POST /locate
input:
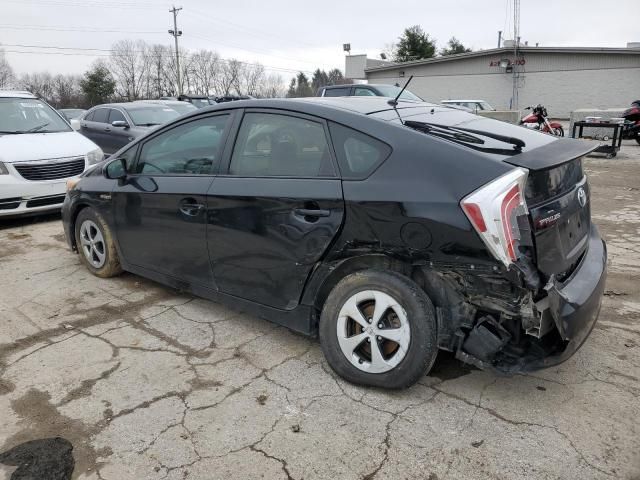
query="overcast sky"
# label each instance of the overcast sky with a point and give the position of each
(294, 35)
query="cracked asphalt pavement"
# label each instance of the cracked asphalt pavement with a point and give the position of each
(148, 383)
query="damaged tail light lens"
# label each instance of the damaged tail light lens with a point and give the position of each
(493, 210)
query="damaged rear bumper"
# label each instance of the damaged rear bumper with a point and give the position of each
(574, 305)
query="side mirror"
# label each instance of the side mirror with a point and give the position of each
(120, 123)
(116, 170)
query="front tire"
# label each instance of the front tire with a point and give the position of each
(95, 244)
(379, 329)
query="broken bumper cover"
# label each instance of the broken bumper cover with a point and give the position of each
(574, 306)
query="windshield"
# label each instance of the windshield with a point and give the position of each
(200, 102)
(29, 115)
(485, 106)
(182, 107)
(151, 115)
(391, 91)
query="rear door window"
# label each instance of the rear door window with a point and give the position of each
(89, 116)
(358, 154)
(275, 145)
(101, 115)
(188, 149)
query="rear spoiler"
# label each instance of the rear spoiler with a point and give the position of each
(555, 153)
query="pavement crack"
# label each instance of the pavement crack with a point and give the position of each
(285, 467)
(84, 390)
(498, 416)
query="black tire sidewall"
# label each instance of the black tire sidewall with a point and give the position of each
(111, 265)
(420, 315)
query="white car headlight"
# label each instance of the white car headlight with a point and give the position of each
(3, 169)
(95, 156)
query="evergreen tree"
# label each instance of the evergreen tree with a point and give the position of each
(303, 89)
(414, 44)
(454, 46)
(319, 80)
(291, 93)
(98, 85)
(335, 77)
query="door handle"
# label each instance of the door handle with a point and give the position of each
(107, 129)
(190, 208)
(312, 212)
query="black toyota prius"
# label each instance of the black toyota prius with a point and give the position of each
(389, 229)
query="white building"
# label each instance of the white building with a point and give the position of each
(562, 79)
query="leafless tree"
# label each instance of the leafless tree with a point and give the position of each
(40, 84)
(171, 70)
(6, 72)
(66, 91)
(252, 77)
(229, 79)
(204, 72)
(129, 64)
(272, 86)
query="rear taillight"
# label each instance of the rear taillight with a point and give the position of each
(493, 210)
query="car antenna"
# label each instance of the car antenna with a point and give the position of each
(394, 102)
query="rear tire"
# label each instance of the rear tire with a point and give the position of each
(559, 132)
(378, 328)
(95, 244)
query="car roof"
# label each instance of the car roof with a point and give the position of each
(16, 94)
(126, 105)
(476, 101)
(163, 102)
(359, 85)
(323, 105)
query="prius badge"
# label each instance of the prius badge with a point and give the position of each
(582, 197)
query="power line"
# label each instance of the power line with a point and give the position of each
(59, 53)
(251, 31)
(66, 3)
(74, 29)
(113, 53)
(56, 48)
(260, 52)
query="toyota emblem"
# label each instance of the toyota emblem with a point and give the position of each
(582, 197)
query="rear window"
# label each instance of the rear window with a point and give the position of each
(149, 115)
(358, 154)
(337, 92)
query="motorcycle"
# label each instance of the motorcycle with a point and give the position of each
(538, 120)
(631, 130)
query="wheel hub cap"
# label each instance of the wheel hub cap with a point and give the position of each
(373, 331)
(92, 244)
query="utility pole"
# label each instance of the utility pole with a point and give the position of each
(516, 48)
(176, 33)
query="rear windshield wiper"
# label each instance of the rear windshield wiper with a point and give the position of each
(464, 135)
(443, 131)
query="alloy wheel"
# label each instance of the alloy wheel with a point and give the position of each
(93, 245)
(373, 331)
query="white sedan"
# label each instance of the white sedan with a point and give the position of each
(39, 151)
